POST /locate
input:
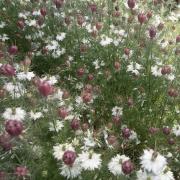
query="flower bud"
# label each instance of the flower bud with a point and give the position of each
(13, 50)
(21, 171)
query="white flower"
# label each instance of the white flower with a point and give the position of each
(4, 37)
(143, 175)
(170, 77)
(153, 161)
(59, 149)
(89, 141)
(156, 71)
(61, 37)
(134, 68)
(31, 22)
(57, 126)
(71, 171)
(166, 175)
(16, 90)
(35, 115)
(90, 161)
(105, 41)
(53, 45)
(115, 165)
(176, 129)
(117, 111)
(14, 114)
(25, 75)
(2, 24)
(58, 95)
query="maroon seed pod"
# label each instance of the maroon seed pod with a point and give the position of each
(75, 124)
(166, 70)
(178, 39)
(58, 3)
(80, 20)
(153, 130)
(99, 26)
(116, 120)
(21, 171)
(2, 175)
(14, 127)
(80, 72)
(67, 20)
(88, 88)
(127, 167)
(117, 65)
(126, 132)
(131, 4)
(130, 102)
(85, 126)
(166, 130)
(13, 50)
(172, 92)
(7, 70)
(87, 97)
(127, 51)
(171, 141)
(69, 157)
(149, 14)
(142, 18)
(93, 7)
(112, 140)
(65, 94)
(43, 11)
(5, 141)
(152, 32)
(160, 26)
(116, 13)
(63, 112)
(21, 24)
(45, 88)
(90, 77)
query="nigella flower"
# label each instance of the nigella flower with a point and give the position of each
(72, 171)
(176, 129)
(90, 160)
(25, 75)
(134, 68)
(153, 161)
(115, 165)
(105, 41)
(35, 115)
(15, 90)
(59, 149)
(156, 71)
(61, 36)
(57, 126)
(117, 111)
(14, 114)
(165, 175)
